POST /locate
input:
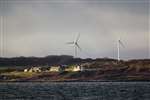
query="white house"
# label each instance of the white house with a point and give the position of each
(25, 70)
(56, 69)
(33, 69)
(77, 68)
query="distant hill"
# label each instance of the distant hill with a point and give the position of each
(40, 61)
(68, 60)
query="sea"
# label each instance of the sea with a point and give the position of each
(75, 91)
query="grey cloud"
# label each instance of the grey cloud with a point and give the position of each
(37, 28)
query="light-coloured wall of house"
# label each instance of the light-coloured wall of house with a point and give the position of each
(68, 69)
(25, 70)
(77, 68)
(54, 69)
(34, 69)
(30, 70)
(74, 68)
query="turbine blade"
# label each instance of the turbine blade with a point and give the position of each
(121, 43)
(70, 43)
(77, 38)
(79, 47)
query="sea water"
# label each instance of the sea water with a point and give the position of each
(75, 91)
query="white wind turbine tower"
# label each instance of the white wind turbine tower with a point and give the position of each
(119, 43)
(75, 44)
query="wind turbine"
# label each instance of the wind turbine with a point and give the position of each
(119, 43)
(76, 45)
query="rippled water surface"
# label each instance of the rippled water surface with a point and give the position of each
(75, 91)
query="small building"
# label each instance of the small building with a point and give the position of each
(56, 69)
(25, 70)
(74, 68)
(33, 69)
(77, 68)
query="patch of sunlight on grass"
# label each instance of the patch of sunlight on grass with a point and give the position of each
(21, 74)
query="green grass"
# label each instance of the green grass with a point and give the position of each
(20, 74)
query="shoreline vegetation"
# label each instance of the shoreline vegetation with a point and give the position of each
(94, 70)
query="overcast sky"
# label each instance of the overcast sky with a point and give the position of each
(42, 27)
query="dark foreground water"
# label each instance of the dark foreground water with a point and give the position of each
(75, 91)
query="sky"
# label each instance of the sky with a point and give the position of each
(43, 27)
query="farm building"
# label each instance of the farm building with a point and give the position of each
(33, 69)
(56, 69)
(74, 68)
